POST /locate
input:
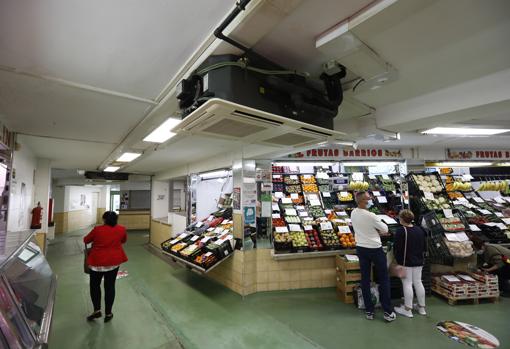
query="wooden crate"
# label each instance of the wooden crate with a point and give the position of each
(452, 300)
(343, 265)
(346, 286)
(345, 297)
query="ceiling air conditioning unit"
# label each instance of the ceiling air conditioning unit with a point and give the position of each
(223, 119)
(255, 82)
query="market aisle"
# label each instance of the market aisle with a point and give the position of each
(162, 306)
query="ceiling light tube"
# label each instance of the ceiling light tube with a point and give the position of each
(462, 131)
(214, 174)
(371, 163)
(164, 131)
(111, 169)
(128, 157)
(461, 164)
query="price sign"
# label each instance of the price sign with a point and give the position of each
(279, 195)
(341, 213)
(344, 229)
(327, 211)
(326, 194)
(501, 226)
(307, 176)
(474, 227)
(428, 195)
(204, 240)
(303, 214)
(300, 208)
(478, 199)
(499, 214)
(371, 176)
(467, 177)
(308, 227)
(294, 196)
(506, 220)
(357, 176)
(322, 175)
(315, 202)
(294, 227)
(471, 213)
(499, 200)
(376, 193)
(277, 176)
(326, 226)
(382, 199)
(208, 254)
(199, 224)
(276, 207)
(348, 220)
(174, 241)
(210, 218)
(344, 194)
(293, 177)
(385, 176)
(486, 212)
(387, 219)
(448, 213)
(281, 229)
(182, 236)
(290, 212)
(194, 238)
(286, 201)
(276, 215)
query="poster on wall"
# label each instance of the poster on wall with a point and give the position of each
(236, 198)
(249, 215)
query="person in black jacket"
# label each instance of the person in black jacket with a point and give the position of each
(409, 250)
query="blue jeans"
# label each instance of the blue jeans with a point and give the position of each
(377, 257)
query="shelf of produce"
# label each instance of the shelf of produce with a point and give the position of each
(192, 266)
(306, 255)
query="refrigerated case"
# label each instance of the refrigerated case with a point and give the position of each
(27, 293)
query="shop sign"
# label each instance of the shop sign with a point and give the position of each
(471, 154)
(338, 153)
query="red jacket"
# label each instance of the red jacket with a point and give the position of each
(106, 246)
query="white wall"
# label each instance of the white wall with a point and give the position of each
(159, 199)
(22, 190)
(208, 194)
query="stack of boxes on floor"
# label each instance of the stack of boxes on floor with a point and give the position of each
(474, 286)
(348, 276)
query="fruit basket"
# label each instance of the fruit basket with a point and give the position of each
(328, 236)
(347, 240)
(312, 237)
(387, 184)
(316, 212)
(297, 199)
(427, 182)
(277, 178)
(458, 249)
(345, 196)
(278, 169)
(205, 260)
(308, 179)
(292, 179)
(328, 200)
(299, 241)
(278, 222)
(293, 189)
(278, 187)
(310, 188)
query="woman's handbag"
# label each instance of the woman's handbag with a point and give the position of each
(86, 268)
(398, 270)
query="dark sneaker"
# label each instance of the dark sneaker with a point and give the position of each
(389, 317)
(369, 316)
(94, 315)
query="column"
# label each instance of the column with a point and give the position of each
(42, 183)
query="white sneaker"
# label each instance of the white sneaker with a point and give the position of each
(420, 310)
(389, 317)
(403, 311)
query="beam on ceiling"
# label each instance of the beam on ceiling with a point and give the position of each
(489, 95)
(77, 85)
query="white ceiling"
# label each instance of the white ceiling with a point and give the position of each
(133, 49)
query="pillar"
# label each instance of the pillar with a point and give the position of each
(42, 184)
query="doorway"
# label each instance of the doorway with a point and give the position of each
(115, 201)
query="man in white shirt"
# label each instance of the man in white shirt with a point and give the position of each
(367, 230)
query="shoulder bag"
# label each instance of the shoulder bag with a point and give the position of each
(398, 270)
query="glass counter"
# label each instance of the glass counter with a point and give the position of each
(27, 293)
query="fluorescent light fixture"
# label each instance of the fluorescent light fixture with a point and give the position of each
(461, 164)
(503, 164)
(128, 157)
(462, 131)
(163, 132)
(304, 163)
(111, 169)
(215, 174)
(371, 163)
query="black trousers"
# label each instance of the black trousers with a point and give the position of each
(109, 288)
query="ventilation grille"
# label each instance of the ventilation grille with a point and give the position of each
(232, 128)
(290, 139)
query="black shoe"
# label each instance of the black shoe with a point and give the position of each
(108, 318)
(94, 315)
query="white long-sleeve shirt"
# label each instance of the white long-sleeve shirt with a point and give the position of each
(366, 225)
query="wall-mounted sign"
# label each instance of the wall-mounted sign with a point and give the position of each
(338, 153)
(472, 154)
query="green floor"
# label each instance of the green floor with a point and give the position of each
(163, 306)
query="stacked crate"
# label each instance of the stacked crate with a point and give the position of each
(348, 276)
(488, 286)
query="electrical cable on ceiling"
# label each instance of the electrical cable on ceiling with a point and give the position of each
(359, 82)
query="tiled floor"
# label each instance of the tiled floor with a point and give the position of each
(163, 306)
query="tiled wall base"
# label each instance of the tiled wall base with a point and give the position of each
(256, 271)
(159, 232)
(72, 220)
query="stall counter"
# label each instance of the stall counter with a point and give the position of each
(135, 219)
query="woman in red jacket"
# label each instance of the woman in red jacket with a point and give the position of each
(104, 259)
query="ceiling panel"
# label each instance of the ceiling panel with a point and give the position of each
(39, 107)
(67, 154)
(130, 46)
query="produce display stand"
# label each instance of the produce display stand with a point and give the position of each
(192, 266)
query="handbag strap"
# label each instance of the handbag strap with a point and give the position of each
(405, 248)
